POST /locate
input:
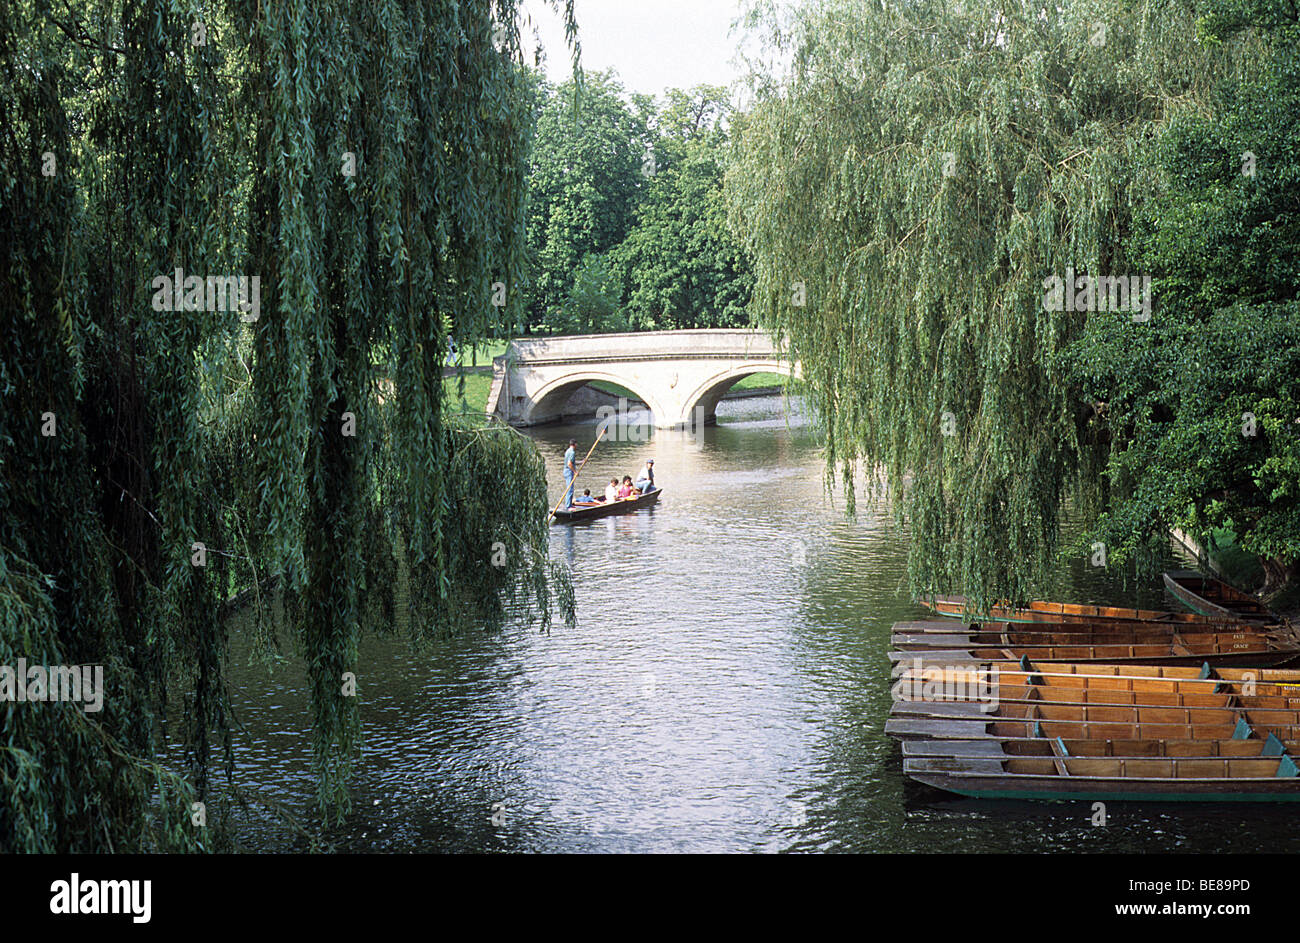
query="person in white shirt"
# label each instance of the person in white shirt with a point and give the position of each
(645, 478)
(611, 490)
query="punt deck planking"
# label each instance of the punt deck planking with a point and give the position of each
(1103, 732)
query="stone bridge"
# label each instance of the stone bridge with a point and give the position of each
(679, 375)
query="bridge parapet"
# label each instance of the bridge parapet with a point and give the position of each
(644, 345)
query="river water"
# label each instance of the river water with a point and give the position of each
(725, 690)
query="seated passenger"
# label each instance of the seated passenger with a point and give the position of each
(611, 490)
(586, 497)
(626, 490)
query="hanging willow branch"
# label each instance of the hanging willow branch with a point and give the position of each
(366, 163)
(904, 192)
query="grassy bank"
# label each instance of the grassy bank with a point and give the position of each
(475, 394)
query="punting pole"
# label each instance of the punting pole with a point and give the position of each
(604, 426)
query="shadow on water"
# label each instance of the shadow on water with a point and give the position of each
(726, 688)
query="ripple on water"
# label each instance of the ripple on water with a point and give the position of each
(725, 690)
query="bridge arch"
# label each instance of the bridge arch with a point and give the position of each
(704, 398)
(549, 400)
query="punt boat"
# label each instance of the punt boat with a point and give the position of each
(1214, 598)
(956, 606)
(1112, 629)
(587, 512)
(1073, 731)
(1219, 644)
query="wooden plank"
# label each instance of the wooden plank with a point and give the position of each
(926, 728)
(963, 748)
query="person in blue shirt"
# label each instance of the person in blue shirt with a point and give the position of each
(645, 478)
(570, 470)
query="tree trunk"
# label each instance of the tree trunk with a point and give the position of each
(1279, 574)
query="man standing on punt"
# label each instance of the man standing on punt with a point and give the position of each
(570, 469)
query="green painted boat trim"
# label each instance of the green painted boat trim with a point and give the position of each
(1124, 796)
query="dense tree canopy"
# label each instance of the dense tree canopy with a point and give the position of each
(681, 265)
(626, 223)
(585, 183)
(906, 192)
(1201, 410)
(366, 163)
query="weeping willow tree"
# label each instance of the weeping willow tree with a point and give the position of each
(905, 189)
(366, 165)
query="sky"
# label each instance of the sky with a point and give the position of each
(652, 44)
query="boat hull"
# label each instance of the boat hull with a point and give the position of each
(1214, 598)
(1118, 643)
(1056, 732)
(1249, 659)
(956, 607)
(1096, 788)
(578, 514)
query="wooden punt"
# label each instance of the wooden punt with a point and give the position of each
(1123, 643)
(1105, 732)
(1120, 779)
(579, 513)
(1214, 598)
(1042, 611)
(1100, 628)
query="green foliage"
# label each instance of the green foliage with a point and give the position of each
(84, 578)
(682, 265)
(585, 183)
(176, 427)
(626, 223)
(592, 306)
(1200, 410)
(918, 173)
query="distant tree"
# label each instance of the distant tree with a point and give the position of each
(593, 303)
(682, 267)
(585, 182)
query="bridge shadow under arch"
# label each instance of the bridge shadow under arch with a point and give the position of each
(549, 402)
(702, 402)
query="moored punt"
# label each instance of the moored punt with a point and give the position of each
(1041, 611)
(1243, 779)
(579, 513)
(1101, 732)
(1214, 598)
(1120, 643)
(1098, 628)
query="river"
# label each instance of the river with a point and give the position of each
(725, 689)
